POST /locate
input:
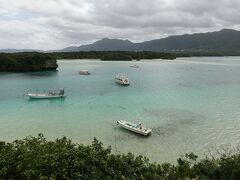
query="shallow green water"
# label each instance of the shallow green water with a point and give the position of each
(192, 105)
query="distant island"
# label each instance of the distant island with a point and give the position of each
(221, 43)
(26, 62)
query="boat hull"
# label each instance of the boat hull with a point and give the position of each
(133, 127)
(84, 73)
(122, 79)
(135, 66)
(122, 83)
(43, 96)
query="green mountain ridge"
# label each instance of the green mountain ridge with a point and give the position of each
(226, 40)
(223, 42)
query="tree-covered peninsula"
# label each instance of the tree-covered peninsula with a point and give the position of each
(38, 158)
(25, 62)
(113, 55)
(35, 61)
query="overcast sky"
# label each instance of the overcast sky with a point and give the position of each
(55, 24)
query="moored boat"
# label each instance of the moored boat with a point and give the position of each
(137, 128)
(134, 66)
(84, 72)
(122, 79)
(47, 95)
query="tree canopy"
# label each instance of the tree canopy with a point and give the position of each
(115, 55)
(38, 158)
(28, 61)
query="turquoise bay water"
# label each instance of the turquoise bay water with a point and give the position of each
(192, 105)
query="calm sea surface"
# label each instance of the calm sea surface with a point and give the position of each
(191, 104)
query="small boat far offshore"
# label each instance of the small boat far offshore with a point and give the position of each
(137, 128)
(47, 95)
(134, 66)
(84, 72)
(122, 79)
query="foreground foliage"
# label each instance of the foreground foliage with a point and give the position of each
(37, 158)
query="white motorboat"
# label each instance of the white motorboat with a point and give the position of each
(122, 79)
(47, 95)
(134, 66)
(84, 72)
(137, 128)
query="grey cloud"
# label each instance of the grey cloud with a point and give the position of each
(52, 24)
